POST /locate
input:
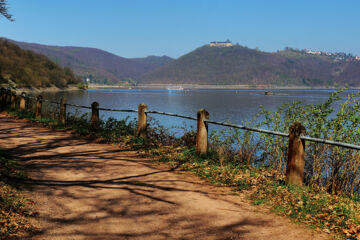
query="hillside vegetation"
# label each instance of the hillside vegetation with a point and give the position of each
(241, 65)
(102, 66)
(209, 65)
(24, 68)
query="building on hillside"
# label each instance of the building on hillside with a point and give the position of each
(86, 80)
(227, 43)
(313, 52)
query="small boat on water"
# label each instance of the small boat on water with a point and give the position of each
(175, 88)
(269, 93)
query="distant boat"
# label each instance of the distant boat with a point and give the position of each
(175, 88)
(268, 93)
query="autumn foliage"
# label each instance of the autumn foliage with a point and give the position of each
(15, 208)
(24, 68)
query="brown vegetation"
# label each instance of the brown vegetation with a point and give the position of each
(24, 68)
(85, 190)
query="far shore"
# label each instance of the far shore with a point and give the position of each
(38, 90)
(198, 86)
(165, 86)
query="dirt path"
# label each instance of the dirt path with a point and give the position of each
(85, 190)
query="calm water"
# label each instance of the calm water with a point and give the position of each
(223, 105)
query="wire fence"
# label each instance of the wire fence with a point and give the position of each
(281, 134)
(322, 173)
(172, 115)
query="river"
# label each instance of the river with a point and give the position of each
(233, 105)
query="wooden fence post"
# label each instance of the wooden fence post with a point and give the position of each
(202, 132)
(95, 120)
(62, 113)
(13, 100)
(296, 155)
(38, 106)
(22, 101)
(18, 101)
(8, 98)
(2, 97)
(142, 124)
(28, 105)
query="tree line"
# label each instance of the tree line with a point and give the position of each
(24, 68)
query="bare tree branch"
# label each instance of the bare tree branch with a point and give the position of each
(4, 10)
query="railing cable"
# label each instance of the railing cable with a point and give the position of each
(75, 105)
(117, 110)
(281, 134)
(306, 138)
(330, 142)
(248, 128)
(171, 114)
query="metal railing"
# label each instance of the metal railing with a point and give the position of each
(296, 148)
(276, 133)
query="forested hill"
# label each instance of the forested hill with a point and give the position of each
(104, 67)
(24, 68)
(241, 65)
(209, 65)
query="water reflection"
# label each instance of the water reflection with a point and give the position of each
(232, 105)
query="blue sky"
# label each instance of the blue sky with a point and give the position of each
(138, 28)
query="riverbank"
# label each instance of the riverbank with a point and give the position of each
(264, 187)
(248, 169)
(86, 190)
(39, 90)
(206, 86)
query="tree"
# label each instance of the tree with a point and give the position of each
(4, 10)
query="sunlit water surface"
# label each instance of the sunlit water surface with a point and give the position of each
(228, 105)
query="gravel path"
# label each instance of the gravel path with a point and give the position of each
(85, 190)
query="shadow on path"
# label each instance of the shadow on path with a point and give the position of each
(86, 190)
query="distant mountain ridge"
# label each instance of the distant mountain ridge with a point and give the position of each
(243, 66)
(103, 66)
(211, 65)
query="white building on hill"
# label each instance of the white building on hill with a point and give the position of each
(221, 44)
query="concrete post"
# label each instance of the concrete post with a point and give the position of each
(38, 106)
(95, 120)
(202, 132)
(142, 124)
(296, 155)
(22, 101)
(62, 113)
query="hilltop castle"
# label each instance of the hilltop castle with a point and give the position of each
(227, 43)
